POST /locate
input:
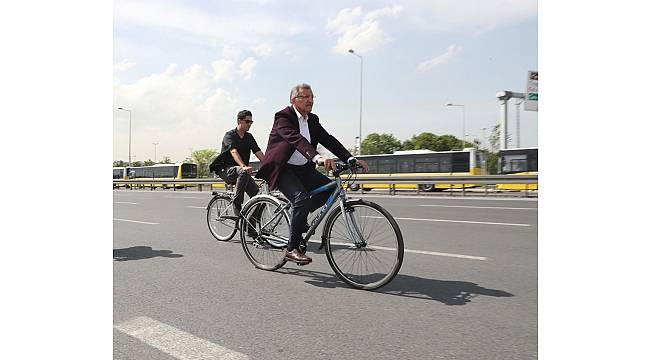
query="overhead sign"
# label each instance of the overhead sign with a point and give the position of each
(530, 102)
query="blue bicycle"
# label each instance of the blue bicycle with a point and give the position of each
(362, 241)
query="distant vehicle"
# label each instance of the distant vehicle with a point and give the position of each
(402, 164)
(119, 173)
(157, 173)
(520, 161)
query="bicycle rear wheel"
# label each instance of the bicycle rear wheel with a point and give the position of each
(265, 232)
(364, 266)
(222, 222)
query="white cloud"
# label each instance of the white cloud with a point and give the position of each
(178, 109)
(246, 67)
(245, 28)
(223, 69)
(262, 50)
(445, 58)
(469, 16)
(124, 65)
(362, 34)
(230, 51)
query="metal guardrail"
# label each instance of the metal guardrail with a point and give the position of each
(369, 179)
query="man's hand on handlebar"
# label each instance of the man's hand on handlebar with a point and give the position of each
(248, 169)
(363, 165)
(327, 163)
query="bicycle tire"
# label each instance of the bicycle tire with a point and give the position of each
(221, 219)
(385, 245)
(264, 247)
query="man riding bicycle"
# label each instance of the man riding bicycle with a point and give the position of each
(232, 164)
(290, 162)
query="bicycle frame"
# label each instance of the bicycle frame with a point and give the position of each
(339, 192)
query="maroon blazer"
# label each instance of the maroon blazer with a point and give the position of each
(285, 138)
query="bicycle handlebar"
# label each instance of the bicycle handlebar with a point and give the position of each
(340, 167)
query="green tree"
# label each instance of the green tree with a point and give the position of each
(425, 140)
(495, 138)
(429, 141)
(149, 163)
(166, 160)
(491, 160)
(380, 144)
(119, 163)
(136, 163)
(202, 159)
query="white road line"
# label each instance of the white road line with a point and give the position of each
(453, 198)
(184, 197)
(176, 342)
(124, 202)
(139, 222)
(435, 253)
(481, 207)
(454, 221)
(197, 207)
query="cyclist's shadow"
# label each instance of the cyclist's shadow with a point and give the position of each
(444, 291)
(141, 252)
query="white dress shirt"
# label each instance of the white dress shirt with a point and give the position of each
(297, 158)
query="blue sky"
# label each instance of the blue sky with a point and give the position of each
(185, 68)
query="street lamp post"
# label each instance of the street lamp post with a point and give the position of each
(123, 109)
(517, 104)
(360, 96)
(463, 106)
(154, 151)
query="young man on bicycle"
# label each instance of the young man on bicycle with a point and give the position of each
(232, 163)
(290, 162)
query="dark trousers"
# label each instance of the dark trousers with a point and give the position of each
(295, 182)
(243, 183)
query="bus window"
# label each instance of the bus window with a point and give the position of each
(514, 163)
(386, 166)
(427, 164)
(460, 162)
(188, 171)
(445, 162)
(405, 165)
(372, 166)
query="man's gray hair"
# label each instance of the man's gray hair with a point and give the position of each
(294, 90)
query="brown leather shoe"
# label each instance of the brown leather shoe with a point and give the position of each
(295, 256)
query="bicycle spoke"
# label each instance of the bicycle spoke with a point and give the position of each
(370, 264)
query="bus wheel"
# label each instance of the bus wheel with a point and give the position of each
(427, 187)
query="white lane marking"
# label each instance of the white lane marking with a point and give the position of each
(435, 253)
(124, 202)
(135, 221)
(175, 342)
(443, 197)
(184, 197)
(453, 221)
(481, 207)
(197, 207)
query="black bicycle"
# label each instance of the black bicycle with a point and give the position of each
(362, 241)
(222, 221)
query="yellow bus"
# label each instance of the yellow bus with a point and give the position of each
(157, 174)
(402, 164)
(518, 161)
(119, 173)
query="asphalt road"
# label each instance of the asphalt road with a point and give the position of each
(467, 288)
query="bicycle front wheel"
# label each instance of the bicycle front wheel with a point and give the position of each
(222, 222)
(373, 262)
(265, 232)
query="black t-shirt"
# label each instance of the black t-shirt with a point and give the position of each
(231, 140)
